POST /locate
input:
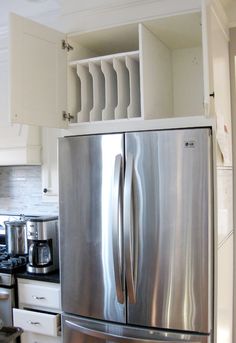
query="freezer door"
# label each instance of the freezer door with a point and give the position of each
(77, 330)
(167, 215)
(90, 184)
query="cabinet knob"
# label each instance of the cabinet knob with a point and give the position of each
(45, 190)
(212, 94)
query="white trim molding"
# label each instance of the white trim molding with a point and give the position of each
(124, 13)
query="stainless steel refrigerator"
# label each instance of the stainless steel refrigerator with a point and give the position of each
(136, 237)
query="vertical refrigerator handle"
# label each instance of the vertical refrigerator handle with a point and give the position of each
(129, 237)
(117, 231)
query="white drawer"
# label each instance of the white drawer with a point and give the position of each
(40, 296)
(37, 322)
(28, 337)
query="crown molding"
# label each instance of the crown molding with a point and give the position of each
(109, 7)
(124, 13)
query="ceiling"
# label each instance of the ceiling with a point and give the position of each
(49, 12)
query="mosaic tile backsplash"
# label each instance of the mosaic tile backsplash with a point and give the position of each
(21, 192)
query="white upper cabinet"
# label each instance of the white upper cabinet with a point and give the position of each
(154, 69)
(37, 74)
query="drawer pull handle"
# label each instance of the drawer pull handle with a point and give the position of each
(38, 298)
(33, 323)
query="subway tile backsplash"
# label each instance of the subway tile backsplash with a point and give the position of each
(21, 192)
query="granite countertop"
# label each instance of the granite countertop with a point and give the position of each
(51, 277)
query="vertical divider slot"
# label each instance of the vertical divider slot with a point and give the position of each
(123, 93)
(98, 82)
(132, 64)
(86, 93)
(109, 73)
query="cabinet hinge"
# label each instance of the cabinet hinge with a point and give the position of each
(66, 46)
(67, 116)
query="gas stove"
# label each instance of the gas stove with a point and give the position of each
(11, 264)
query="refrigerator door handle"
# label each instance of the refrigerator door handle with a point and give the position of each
(116, 230)
(117, 336)
(129, 238)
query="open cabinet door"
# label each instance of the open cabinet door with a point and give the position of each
(37, 74)
(207, 59)
(217, 79)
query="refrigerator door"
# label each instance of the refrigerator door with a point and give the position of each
(167, 229)
(77, 330)
(90, 183)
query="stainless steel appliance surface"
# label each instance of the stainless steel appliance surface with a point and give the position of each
(16, 237)
(136, 236)
(8, 267)
(42, 236)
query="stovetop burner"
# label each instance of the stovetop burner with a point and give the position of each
(11, 264)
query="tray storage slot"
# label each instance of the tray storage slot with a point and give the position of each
(37, 322)
(98, 82)
(86, 92)
(132, 64)
(109, 87)
(110, 90)
(123, 93)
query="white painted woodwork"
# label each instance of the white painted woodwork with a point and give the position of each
(188, 94)
(225, 203)
(225, 292)
(38, 295)
(221, 81)
(29, 337)
(233, 103)
(155, 76)
(73, 82)
(4, 88)
(108, 112)
(110, 14)
(20, 145)
(137, 124)
(102, 42)
(50, 164)
(169, 78)
(37, 74)
(98, 83)
(123, 94)
(86, 92)
(208, 102)
(179, 31)
(134, 109)
(42, 323)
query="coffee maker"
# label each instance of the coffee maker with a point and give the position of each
(42, 238)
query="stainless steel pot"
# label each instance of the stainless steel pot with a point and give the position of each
(16, 237)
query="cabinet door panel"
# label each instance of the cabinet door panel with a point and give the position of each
(38, 74)
(4, 110)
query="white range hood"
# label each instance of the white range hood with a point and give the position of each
(20, 145)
